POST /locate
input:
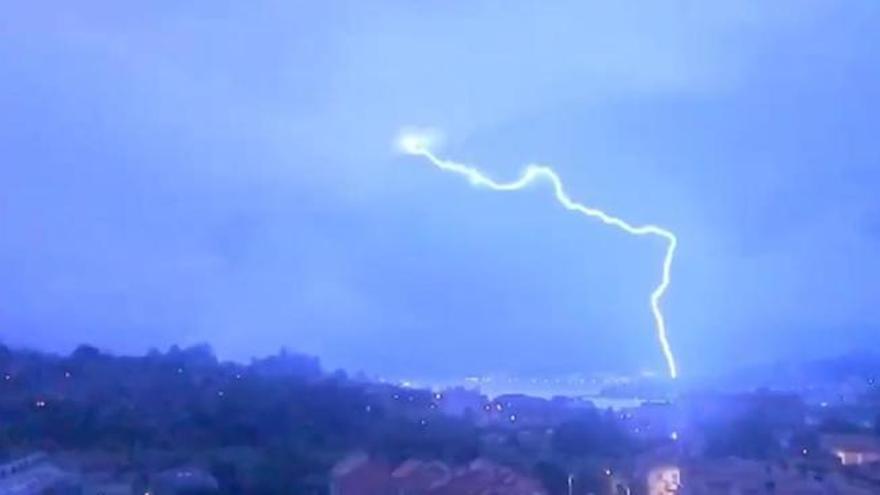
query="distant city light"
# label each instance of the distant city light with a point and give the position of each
(674, 435)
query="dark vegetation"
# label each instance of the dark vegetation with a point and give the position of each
(277, 425)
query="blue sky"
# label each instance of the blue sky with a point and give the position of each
(224, 172)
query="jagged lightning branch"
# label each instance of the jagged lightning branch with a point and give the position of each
(419, 145)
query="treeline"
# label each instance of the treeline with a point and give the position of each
(276, 425)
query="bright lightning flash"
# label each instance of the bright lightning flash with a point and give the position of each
(415, 144)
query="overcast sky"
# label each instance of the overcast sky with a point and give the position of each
(224, 171)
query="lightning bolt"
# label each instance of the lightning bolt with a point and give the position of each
(420, 146)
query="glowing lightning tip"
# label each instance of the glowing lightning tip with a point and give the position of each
(411, 144)
(417, 142)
